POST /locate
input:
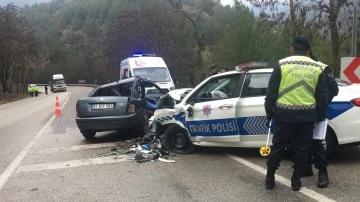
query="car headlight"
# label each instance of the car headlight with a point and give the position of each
(172, 88)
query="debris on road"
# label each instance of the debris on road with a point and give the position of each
(148, 148)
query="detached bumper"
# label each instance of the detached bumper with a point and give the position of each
(109, 123)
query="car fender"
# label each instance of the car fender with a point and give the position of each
(165, 117)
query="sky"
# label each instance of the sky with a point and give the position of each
(21, 2)
(227, 2)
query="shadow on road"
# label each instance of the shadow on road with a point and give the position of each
(114, 136)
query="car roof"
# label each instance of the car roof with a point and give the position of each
(124, 81)
(264, 70)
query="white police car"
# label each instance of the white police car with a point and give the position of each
(227, 110)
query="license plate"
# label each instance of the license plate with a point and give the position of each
(102, 106)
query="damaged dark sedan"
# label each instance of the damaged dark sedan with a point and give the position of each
(118, 106)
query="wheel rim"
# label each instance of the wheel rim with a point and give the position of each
(324, 144)
(179, 141)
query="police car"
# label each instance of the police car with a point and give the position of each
(227, 110)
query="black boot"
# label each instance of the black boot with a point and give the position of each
(308, 172)
(270, 178)
(295, 180)
(323, 180)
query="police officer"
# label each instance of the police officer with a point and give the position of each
(317, 150)
(214, 71)
(46, 89)
(224, 69)
(30, 91)
(296, 99)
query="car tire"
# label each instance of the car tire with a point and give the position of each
(88, 134)
(330, 144)
(176, 140)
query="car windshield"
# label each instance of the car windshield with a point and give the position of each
(59, 81)
(155, 74)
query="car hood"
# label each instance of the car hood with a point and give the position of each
(176, 94)
(355, 87)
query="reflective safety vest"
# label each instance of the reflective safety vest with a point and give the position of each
(299, 77)
(322, 65)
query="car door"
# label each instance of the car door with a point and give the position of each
(211, 114)
(250, 111)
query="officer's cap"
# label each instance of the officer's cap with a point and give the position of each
(302, 41)
(213, 67)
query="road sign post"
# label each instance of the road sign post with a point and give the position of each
(350, 70)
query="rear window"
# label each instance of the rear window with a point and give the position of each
(118, 90)
(342, 82)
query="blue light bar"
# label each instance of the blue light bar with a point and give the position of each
(144, 55)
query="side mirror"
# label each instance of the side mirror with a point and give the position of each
(176, 81)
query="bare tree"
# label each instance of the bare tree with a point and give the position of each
(196, 17)
(18, 49)
(152, 29)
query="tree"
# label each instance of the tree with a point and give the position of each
(318, 15)
(196, 17)
(18, 49)
(151, 29)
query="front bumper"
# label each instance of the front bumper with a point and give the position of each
(109, 123)
(57, 89)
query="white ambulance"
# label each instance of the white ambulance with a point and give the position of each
(150, 67)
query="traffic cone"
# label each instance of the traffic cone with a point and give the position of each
(57, 102)
(57, 107)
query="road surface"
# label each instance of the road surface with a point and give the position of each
(45, 158)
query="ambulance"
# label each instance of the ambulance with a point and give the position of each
(227, 110)
(150, 67)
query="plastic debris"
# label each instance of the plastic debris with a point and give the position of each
(166, 160)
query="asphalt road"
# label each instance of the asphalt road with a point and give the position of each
(45, 158)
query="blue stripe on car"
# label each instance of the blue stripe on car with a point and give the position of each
(335, 109)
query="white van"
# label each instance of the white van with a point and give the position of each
(150, 67)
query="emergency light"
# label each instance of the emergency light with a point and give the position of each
(144, 55)
(251, 65)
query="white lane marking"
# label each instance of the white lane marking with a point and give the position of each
(5, 176)
(308, 192)
(78, 147)
(72, 164)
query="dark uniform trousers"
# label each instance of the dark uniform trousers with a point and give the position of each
(319, 155)
(303, 134)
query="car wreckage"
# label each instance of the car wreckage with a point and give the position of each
(120, 105)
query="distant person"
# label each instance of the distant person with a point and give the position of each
(224, 69)
(46, 89)
(214, 71)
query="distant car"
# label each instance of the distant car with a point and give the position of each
(117, 106)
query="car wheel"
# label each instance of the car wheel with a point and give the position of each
(88, 134)
(329, 144)
(176, 139)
